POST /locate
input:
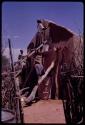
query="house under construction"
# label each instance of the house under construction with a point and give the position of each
(60, 52)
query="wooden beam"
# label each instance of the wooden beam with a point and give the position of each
(33, 93)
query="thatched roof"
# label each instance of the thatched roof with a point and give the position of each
(56, 32)
(62, 37)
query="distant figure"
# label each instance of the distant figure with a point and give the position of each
(40, 26)
(20, 59)
(20, 55)
(38, 66)
(40, 37)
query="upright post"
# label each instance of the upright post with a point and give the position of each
(18, 108)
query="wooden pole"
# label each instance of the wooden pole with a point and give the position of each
(10, 52)
(17, 104)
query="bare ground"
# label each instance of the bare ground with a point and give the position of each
(45, 111)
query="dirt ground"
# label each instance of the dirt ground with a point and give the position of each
(45, 111)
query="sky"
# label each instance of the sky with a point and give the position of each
(19, 20)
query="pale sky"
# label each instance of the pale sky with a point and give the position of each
(19, 20)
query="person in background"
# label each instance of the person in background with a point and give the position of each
(20, 59)
(21, 53)
(40, 26)
(40, 33)
(38, 66)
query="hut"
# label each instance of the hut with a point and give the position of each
(65, 48)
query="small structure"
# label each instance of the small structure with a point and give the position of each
(64, 47)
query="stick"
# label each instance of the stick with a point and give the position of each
(23, 89)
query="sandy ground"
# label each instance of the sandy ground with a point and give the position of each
(45, 111)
